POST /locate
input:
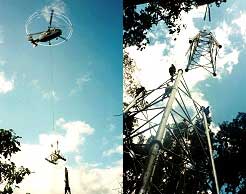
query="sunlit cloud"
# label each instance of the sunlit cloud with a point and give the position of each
(75, 134)
(49, 179)
(115, 150)
(59, 7)
(80, 82)
(5, 84)
(50, 95)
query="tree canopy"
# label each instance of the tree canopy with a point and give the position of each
(10, 174)
(140, 15)
(130, 84)
(230, 145)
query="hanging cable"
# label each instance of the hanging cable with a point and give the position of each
(209, 14)
(52, 90)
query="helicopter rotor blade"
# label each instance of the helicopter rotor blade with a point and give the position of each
(51, 16)
(63, 38)
(35, 33)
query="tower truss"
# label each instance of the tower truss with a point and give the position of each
(170, 109)
(203, 52)
(67, 187)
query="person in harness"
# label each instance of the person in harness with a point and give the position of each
(172, 71)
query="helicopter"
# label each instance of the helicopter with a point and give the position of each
(55, 156)
(48, 35)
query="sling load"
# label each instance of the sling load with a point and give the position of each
(55, 155)
(203, 52)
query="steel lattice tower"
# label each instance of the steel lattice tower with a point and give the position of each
(203, 52)
(168, 112)
(67, 187)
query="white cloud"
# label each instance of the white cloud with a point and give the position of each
(5, 85)
(49, 179)
(228, 55)
(240, 22)
(116, 150)
(104, 141)
(50, 95)
(77, 126)
(46, 94)
(75, 133)
(35, 83)
(78, 159)
(58, 6)
(214, 128)
(111, 127)
(2, 62)
(89, 178)
(60, 121)
(80, 83)
(223, 31)
(155, 60)
(227, 61)
(83, 79)
(99, 180)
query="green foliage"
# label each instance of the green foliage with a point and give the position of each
(138, 21)
(10, 174)
(230, 144)
(130, 84)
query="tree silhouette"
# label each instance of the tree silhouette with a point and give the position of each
(10, 174)
(230, 143)
(137, 20)
(130, 84)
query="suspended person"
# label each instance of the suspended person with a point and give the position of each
(140, 90)
(186, 123)
(140, 93)
(207, 112)
(172, 71)
(167, 92)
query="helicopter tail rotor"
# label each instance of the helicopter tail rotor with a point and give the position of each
(34, 42)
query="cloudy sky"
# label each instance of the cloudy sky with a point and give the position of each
(224, 93)
(82, 96)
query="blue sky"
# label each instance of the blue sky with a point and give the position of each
(227, 96)
(87, 79)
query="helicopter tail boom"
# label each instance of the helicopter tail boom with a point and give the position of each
(34, 42)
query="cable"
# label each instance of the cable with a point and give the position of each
(52, 88)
